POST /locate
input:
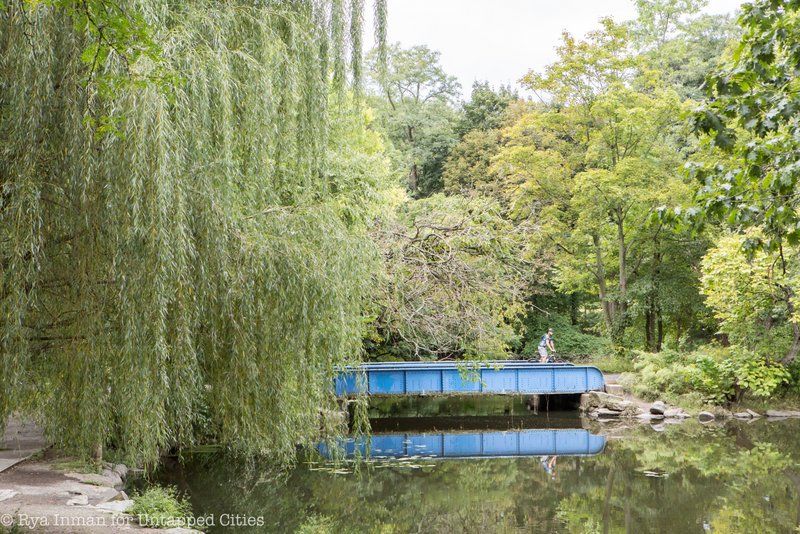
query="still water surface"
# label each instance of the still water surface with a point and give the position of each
(732, 477)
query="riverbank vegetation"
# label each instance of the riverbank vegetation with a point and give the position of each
(208, 206)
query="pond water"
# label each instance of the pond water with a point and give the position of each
(547, 473)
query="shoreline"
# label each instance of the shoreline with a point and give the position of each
(44, 492)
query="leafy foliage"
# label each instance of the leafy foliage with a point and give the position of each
(161, 507)
(571, 343)
(453, 279)
(206, 262)
(413, 97)
(746, 296)
(486, 108)
(751, 115)
(468, 165)
(718, 374)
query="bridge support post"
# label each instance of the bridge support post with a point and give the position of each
(533, 403)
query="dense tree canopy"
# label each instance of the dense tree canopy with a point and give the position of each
(749, 174)
(414, 100)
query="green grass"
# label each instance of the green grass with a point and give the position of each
(317, 525)
(160, 507)
(13, 529)
(77, 465)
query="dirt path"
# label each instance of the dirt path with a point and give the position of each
(612, 380)
(34, 495)
(18, 442)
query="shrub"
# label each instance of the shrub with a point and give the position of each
(663, 372)
(762, 378)
(317, 525)
(161, 507)
(570, 342)
(717, 373)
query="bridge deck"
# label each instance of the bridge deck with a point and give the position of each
(490, 377)
(536, 442)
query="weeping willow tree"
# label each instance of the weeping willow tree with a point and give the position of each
(174, 259)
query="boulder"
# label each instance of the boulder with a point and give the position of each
(110, 495)
(601, 399)
(78, 499)
(753, 414)
(658, 408)
(631, 410)
(113, 477)
(742, 415)
(107, 478)
(605, 413)
(705, 417)
(121, 470)
(615, 389)
(676, 413)
(116, 506)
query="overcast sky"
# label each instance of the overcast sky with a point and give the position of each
(500, 40)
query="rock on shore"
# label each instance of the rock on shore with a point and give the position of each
(601, 405)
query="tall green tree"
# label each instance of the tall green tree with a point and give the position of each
(486, 108)
(415, 102)
(468, 164)
(592, 166)
(193, 259)
(682, 44)
(453, 280)
(749, 176)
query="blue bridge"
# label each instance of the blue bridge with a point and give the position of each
(536, 442)
(458, 378)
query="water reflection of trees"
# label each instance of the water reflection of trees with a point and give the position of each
(738, 478)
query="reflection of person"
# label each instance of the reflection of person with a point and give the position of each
(549, 465)
(545, 345)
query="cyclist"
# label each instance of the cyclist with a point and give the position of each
(546, 346)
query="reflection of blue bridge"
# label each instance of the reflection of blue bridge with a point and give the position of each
(538, 442)
(491, 377)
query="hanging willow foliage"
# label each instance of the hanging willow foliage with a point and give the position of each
(187, 270)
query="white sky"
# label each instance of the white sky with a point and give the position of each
(500, 40)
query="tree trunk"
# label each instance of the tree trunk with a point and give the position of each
(795, 348)
(621, 305)
(660, 336)
(413, 179)
(623, 267)
(600, 274)
(654, 323)
(573, 309)
(97, 452)
(413, 176)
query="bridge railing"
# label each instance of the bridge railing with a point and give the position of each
(489, 377)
